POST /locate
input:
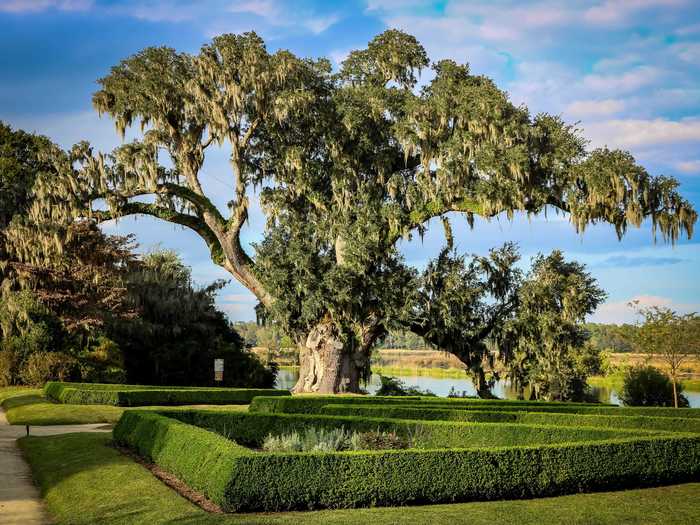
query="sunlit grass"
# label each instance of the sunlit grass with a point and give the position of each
(86, 481)
(31, 408)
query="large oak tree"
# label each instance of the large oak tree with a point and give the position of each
(349, 163)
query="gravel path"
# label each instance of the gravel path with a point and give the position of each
(20, 501)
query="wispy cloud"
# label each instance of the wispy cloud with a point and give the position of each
(239, 298)
(619, 312)
(263, 8)
(173, 11)
(586, 108)
(690, 167)
(625, 82)
(282, 14)
(36, 6)
(624, 261)
(628, 133)
(622, 11)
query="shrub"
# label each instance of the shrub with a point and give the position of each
(314, 439)
(311, 439)
(382, 441)
(648, 386)
(390, 386)
(241, 480)
(9, 367)
(41, 367)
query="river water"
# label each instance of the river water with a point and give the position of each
(441, 386)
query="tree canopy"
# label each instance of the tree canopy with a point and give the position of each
(94, 309)
(348, 163)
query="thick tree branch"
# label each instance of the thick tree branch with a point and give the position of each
(189, 221)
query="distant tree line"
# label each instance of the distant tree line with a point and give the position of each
(96, 310)
(603, 337)
(613, 337)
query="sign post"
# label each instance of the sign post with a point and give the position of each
(218, 370)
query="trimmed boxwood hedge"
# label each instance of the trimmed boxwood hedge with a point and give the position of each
(251, 429)
(137, 395)
(669, 424)
(315, 404)
(240, 479)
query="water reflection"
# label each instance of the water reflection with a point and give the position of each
(442, 386)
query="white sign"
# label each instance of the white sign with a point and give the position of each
(218, 365)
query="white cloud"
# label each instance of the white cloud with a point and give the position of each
(278, 14)
(621, 11)
(160, 10)
(318, 24)
(688, 30)
(690, 167)
(385, 5)
(628, 133)
(67, 129)
(35, 6)
(586, 108)
(338, 56)
(239, 298)
(263, 8)
(688, 52)
(619, 312)
(622, 83)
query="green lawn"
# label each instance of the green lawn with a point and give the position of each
(85, 481)
(12, 391)
(34, 409)
(29, 407)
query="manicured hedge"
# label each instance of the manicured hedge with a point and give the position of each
(669, 424)
(242, 480)
(251, 429)
(315, 404)
(137, 395)
(54, 389)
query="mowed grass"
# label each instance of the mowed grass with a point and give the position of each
(7, 392)
(34, 409)
(30, 407)
(84, 481)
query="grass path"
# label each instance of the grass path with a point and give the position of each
(20, 501)
(86, 481)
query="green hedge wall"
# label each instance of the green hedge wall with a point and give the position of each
(315, 404)
(669, 424)
(251, 429)
(242, 480)
(204, 460)
(135, 395)
(312, 404)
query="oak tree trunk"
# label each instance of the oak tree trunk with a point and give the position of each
(328, 364)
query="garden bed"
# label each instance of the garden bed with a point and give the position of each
(449, 462)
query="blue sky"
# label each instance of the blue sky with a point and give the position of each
(627, 70)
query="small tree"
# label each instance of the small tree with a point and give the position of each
(671, 337)
(648, 386)
(543, 345)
